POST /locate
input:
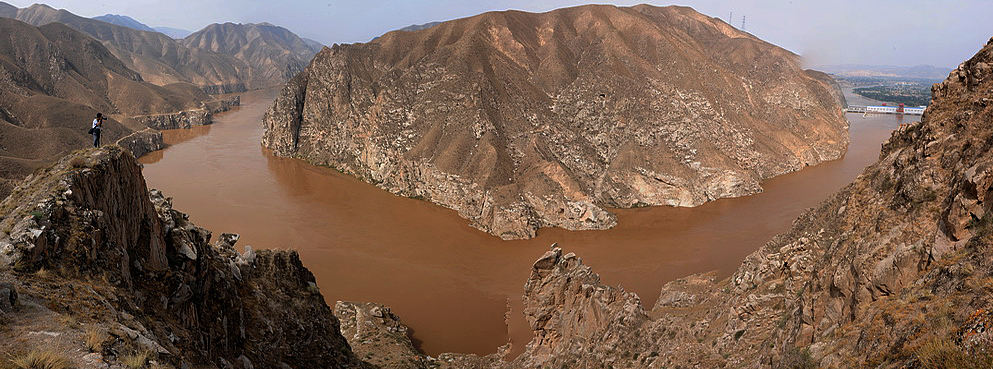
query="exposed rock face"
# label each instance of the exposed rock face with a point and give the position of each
(187, 118)
(140, 270)
(520, 120)
(377, 335)
(568, 309)
(142, 142)
(274, 54)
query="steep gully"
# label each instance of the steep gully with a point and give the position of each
(451, 283)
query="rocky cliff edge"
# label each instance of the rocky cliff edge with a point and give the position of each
(104, 272)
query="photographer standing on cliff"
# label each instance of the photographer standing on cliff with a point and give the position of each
(97, 127)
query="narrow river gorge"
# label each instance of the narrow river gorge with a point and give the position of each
(451, 283)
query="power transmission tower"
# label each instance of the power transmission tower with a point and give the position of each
(742, 22)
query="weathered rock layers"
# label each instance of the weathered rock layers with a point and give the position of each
(90, 224)
(520, 120)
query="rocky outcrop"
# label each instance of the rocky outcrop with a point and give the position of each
(568, 309)
(183, 119)
(141, 272)
(520, 120)
(188, 118)
(142, 142)
(378, 336)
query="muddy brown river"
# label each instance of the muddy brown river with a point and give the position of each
(449, 282)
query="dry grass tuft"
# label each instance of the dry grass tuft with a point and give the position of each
(943, 353)
(95, 339)
(41, 359)
(136, 360)
(69, 321)
(42, 273)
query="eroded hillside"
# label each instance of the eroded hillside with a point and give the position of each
(53, 81)
(520, 120)
(893, 271)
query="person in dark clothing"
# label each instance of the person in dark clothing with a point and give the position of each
(97, 127)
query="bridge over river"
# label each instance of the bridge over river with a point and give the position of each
(871, 109)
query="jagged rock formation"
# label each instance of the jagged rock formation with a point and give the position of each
(520, 120)
(53, 81)
(94, 256)
(273, 53)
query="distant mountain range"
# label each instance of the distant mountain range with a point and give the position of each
(418, 27)
(160, 59)
(862, 70)
(176, 33)
(275, 53)
(126, 21)
(413, 27)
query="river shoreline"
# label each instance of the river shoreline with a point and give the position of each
(450, 282)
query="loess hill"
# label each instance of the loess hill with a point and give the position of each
(254, 56)
(55, 76)
(158, 58)
(273, 53)
(520, 120)
(53, 81)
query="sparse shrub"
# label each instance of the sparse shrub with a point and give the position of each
(95, 339)
(797, 358)
(783, 320)
(738, 334)
(41, 359)
(77, 162)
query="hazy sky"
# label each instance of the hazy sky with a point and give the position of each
(911, 32)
